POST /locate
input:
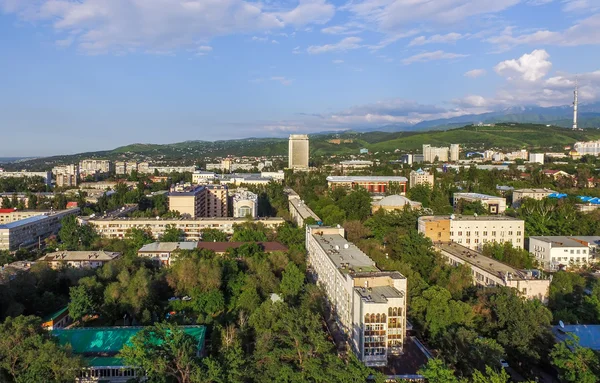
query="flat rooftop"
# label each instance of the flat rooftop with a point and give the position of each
(535, 191)
(477, 260)
(152, 221)
(22, 222)
(77, 256)
(476, 195)
(559, 241)
(366, 179)
(433, 218)
(167, 246)
(303, 210)
(343, 253)
(378, 294)
(589, 335)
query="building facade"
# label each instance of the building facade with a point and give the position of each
(473, 232)
(433, 154)
(536, 158)
(47, 176)
(245, 204)
(488, 272)
(373, 184)
(202, 177)
(394, 202)
(197, 201)
(67, 175)
(493, 204)
(164, 253)
(299, 211)
(92, 166)
(79, 259)
(562, 252)
(421, 177)
(298, 151)
(537, 194)
(587, 148)
(454, 152)
(369, 305)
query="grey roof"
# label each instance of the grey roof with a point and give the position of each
(366, 179)
(559, 241)
(155, 247)
(342, 252)
(80, 256)
(395, 200)
(470, 218)
(532, 190)
(476, 195)
(25, 221)
(379, 294)
(589, 335)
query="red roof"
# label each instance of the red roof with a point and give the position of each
(71, 204)
(4, 211)
(221, 247)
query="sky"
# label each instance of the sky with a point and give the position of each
(86, 75)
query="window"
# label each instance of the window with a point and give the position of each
(468, 233)
(518, 233)
(493, 233)
(460, 233)
(485, 233)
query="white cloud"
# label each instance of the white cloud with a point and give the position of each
(580, 5)
(392, 38)
(351, 28)
(585, 32)
(282, 80)
(274, 42)
(437, 39)
(345, 44)
(529, 67)
(202, 50)
(432, 56)
(121, 26)
(260, 39)
(296, 51)
(474, 73)
(338, 61)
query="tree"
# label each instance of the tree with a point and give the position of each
(172, 234)
(138, 237)
(575, 363)
(163, 350)
(435, 371)
(75, 236)
(213, 235)
(507, 253)
(81, 302)
(421, 193)
(332, 215)
(292, 281)
(29, 353)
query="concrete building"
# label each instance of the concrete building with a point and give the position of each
(164, 169)
(562, 252)
(537, 194)
(93, 166)
(454, 152)
(355, 165)
(431, 154)
(473, 232)
(245, 204)
(299, 211)
(79, 259)
(104, 185)
(394, 202)
(237, 179)
(493, 204)
(587, 148)
(192, 228)
(126, 167)
(30, 231)
(407, 159)
(488, 272)
(420, 177)
(198, 201)
(202, 177)
(67, 175)
(12, 215)
(298, 152)
(369, 305)
(47, 176)
(164, 253)
(276, 176)
(373, 184)
(536, 158)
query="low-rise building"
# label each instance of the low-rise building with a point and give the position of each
(299, 211)
(369, 305)
(421, 177)
(100, 347)
(471, 231)
(46, 176)
(104, 185)
(276, 176)
(57, 320)
(202, 177)
(164, 253)
(488, 272)
(561, 252)
(238, 179)
(79, 259)
(32, 230)
(9, 271)
(493, 204)
(538, 194)
(164, 169)
(355, 165)
(373, 184)
(394, 202)
(245, 204)
(192, 228)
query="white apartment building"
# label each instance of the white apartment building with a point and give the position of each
(151, 169)
(493, 204)
(126, 167)
(192, 228)
(276, 176)
(420, 177)
(473, 232)
(536, 158)
(369, 305)
(245, 204)
(430, 153)
(537, 194)
(454, 152)
(202, 177)
(79, 259)
(92, 166)
(488, 272)
(561, 252)
(47, 176)
(298, 151)
(163, 253)
(588, 147)
(67, 175)
(30, 231)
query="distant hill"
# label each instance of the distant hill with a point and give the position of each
(508, 136)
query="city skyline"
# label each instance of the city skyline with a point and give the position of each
(90, 75)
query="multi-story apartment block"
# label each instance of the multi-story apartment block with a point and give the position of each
(373, 184)
(433, 154)
(471, 231)
(493, 204)
(79, 259)
(217, 201)
(126, 167)
(488, 272)
(47, 176)
(202, 177)
(92, 166)
(151, 169)
(192, 228)
(12, 215)
(454, 152)
(369, 305)
(30, 231)
(536, 158)
(588, 147)
(299, 211)
(67, 175)
(537, 194)
(298, 151)
(420, 177)
(245, 204)
(561, 252)
(188, 200)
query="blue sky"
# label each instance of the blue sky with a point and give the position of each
(96, 74)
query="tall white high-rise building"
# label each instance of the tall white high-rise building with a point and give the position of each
(454, 152)
(298, 151)
(575, 105)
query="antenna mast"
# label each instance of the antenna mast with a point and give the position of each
(575, 101)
